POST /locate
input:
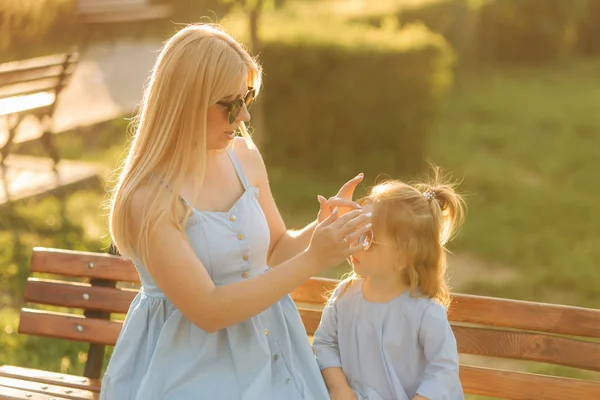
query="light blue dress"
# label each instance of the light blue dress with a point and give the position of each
(389, 351)
(160, 354)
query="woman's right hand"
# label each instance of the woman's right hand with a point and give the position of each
(335, 239)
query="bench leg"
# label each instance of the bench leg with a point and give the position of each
(11, 128)
(48, 145)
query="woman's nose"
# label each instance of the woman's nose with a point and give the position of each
(244, 115)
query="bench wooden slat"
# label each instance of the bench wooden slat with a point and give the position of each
(506, 313)
(24, 89)
(7, 393)
(311, 319)
(524, 386)
(78, 295)
(83, 264)
(551, 318)
(134, 14)
(69, 326)
(508, 344)
(110, 11)
(35, 74)
(37, 62)
(93, 5)
(314, 291)
(528, 346)
(53, 378)
(45, 388)
(38, 102)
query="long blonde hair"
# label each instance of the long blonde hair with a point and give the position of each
(420, 218)
(198, 66)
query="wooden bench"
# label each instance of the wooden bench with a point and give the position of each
(483, 326)
(32, 87)
(114, 11)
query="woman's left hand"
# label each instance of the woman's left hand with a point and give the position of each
(342, 200)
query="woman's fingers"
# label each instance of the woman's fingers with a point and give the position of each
(350, 222)
(345, 219)
(353, 249)
(347, 190)
(331, 219)
(353, 236)
(340, 202)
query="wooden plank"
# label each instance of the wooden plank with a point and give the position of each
(525, 315)
(17, 394)
(48, 389)
(37, 62)
(314, 290)
(35, 74)
(28, 176)
(36, 104)
(525, 386)
(134, 14)
(516, 314)
(53, 378)
(311, 319)
(46, 85)
(90, 6)
(69, 326)
(508, 344)
(528, 346)
(78, 295)
(83, 264)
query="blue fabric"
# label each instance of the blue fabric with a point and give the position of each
(389, 351)
(160, 354)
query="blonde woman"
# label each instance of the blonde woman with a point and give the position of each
(192, 208)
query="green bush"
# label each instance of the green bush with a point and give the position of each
(446, 17)
(525, 30)
(331, 92)
(453, 19)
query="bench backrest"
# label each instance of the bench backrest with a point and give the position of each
(100, 6)
(36, 75)
(483, 326)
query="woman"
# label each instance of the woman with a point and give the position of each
(192, 208)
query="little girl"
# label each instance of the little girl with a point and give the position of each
(384, 334)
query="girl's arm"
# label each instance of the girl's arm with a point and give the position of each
(441, 377)
(328, 352)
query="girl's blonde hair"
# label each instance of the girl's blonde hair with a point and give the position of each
(198, 66)
(420, 218)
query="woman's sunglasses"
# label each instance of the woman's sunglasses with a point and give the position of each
(235, 106)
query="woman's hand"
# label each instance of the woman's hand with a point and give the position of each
(331, 241)
(342, 200)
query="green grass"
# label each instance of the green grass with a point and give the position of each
(525, 141)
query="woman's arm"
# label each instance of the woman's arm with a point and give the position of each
(285, 243)
(183, 278)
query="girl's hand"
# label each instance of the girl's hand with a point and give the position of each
(331, 242)
(342, 200)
